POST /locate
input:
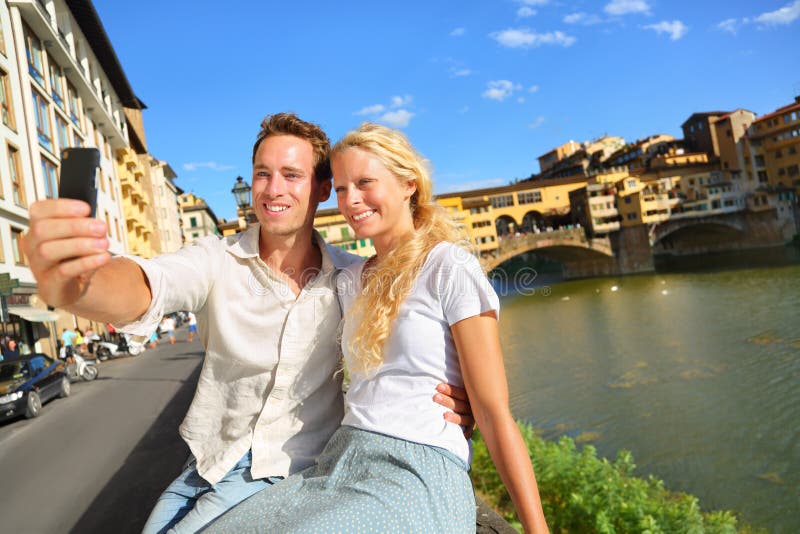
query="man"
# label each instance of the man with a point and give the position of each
(192, 326)
(268, 397)
(168, 327)
(67, 340)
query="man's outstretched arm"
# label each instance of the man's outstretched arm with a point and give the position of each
(68, 254)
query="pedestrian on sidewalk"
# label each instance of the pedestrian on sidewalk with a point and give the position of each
(192, 326)
(168, 327)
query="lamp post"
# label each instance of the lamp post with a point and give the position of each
(241, 192)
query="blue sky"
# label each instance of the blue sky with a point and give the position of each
(481, 87)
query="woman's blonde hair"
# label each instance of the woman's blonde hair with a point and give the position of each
(392, 278)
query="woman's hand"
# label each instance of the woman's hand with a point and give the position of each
(455, 399)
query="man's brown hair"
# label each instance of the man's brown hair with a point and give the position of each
(291, 124)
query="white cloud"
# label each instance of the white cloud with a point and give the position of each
(521, 99)
(463, 110)
(369, 110)
(458, 32)
(458, 73)
(582, 18)
(400, 101)
(534, 2)
(500, 90)
(533, 89)
(525, 38)
(525, 12)
(211, 165)
(676, 29)
(729, 25)
(538, 121)
(398, 118)
(625, 7)
(785, 15)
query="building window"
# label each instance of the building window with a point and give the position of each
(111, 187)
(77, 140)
(63, 133)
(502, 201)
(108, 224)
(193, 222)
(56, 85)
(33, 49)
(42, 115)
(5, 101)
(195, 235)
(793, 170)
(778, 154)
(50, 175)
(529, 197)
(762, 177)
(16, 237)
(759, 160)
(74, 105)
(17, 187)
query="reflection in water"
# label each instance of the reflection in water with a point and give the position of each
(696, 373)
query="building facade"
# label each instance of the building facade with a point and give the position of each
(197, 218)
(62, 86)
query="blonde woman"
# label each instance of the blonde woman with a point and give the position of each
(417, 313)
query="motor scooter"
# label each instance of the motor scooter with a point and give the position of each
(77, 367)
(109, 349)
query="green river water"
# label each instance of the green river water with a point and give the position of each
(696, 372)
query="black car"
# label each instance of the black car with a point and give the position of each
(27, 382)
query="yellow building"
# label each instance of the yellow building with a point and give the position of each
(136, 203)
(549, 159)
(773, 157)
(197, 218)
(331, 224)
(641, 202)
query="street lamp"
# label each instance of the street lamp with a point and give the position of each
(241, 192)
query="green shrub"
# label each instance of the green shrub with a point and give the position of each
(583, 493)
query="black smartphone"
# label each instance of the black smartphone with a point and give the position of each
(78, 175)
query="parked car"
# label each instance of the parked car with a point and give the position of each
(27, 382)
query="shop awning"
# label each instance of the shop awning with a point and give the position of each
(34, 315)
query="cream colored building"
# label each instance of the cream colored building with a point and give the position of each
(62, 86)
(197, 218)
(166, 206)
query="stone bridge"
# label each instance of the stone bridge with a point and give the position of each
(702, 234)
(561, 245)
(725, 222)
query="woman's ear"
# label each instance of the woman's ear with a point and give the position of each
(411, 188)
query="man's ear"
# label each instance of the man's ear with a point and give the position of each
(325, 190)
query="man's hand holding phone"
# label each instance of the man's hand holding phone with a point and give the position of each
(65, 244)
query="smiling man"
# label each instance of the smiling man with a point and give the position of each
(268, 397)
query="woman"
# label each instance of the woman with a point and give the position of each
(417, 313)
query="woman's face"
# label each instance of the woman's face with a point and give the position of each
(373, 201)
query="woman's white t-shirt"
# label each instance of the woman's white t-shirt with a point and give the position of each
(397, 399)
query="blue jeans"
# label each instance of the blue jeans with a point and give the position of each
(190, 503)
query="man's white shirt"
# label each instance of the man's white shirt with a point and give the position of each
(269, 380)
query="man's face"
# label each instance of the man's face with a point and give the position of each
(285, 191)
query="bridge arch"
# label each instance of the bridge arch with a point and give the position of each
(563, 246)
(695, 232)
(532, 220)
(505, 225)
